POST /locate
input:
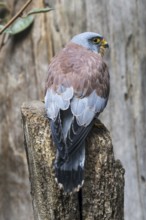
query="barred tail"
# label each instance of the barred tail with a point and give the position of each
(70, 174)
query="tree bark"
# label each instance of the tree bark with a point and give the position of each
(102, 196)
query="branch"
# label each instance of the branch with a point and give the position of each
(16, 16)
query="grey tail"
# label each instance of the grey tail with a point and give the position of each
(70, 173)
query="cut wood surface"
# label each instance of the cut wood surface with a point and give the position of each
(103, 190)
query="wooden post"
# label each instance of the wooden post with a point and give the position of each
(102, 196)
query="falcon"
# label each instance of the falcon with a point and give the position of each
(77, 90)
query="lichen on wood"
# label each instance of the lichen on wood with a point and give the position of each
(103, 192)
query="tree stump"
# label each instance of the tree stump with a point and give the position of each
(102, 195)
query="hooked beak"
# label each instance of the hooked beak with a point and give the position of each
(104, 43)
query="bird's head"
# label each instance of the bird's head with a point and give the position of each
(92, 41)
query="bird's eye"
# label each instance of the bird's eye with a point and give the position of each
(96, 40)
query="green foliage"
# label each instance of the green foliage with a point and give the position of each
(22, 23)
(39, 10)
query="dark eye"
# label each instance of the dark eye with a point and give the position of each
(96, 40)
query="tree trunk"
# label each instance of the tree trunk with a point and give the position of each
(102, 196)
(23, 63)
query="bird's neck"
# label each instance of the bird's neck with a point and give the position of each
(102, 51)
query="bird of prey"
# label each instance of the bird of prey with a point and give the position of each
(77, 90)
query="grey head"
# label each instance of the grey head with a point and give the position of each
(90, 40)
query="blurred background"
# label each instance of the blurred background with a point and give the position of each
(24, 60)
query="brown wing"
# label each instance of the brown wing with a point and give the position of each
(81, 69)
(77, 89)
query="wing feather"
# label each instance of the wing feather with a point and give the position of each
(76, 136)
(77, 90)
(85, 109)
(56, 101)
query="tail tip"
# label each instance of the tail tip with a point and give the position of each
(76, 189)
(67, 191)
